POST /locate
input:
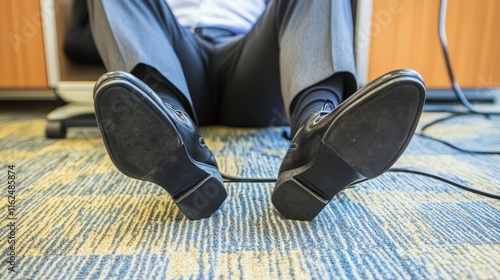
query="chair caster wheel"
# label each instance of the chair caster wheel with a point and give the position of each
(55, 130)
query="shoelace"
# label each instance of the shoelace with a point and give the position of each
(327, 108)
(179, 113)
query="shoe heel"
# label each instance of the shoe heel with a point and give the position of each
(302, 193)
(197, 189)
(295, 201)
(202, 200)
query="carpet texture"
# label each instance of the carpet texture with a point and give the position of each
(78, 217)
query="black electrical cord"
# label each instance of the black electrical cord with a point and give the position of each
(233, 179)
(423, 135)
(456, 89)
(434, 176)
(455, 113)
(444, 119)
(458, 148)
(444, 45)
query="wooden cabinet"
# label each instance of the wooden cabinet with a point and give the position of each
(404, 34)
(22, 58)
(32, 64)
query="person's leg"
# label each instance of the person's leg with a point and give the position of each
(146, 131)
(325, 60)
(148, 139)
(359, 140)
(247, 74)
(317, 48)
(334, 144)
(144, 38)
(296, 47)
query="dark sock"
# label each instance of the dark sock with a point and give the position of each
(322, 97)
(161, 86)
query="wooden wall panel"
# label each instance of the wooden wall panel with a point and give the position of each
(22, 57)
(405, 35)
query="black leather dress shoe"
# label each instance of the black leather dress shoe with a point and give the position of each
(149, 140)
(360, 139)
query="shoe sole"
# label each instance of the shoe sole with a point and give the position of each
(143, 143)
(364, 139)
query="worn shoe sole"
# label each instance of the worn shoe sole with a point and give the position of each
(143, 143)
(365, 137)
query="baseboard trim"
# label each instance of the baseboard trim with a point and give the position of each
(489, 95)
(76, 91)
(27, 94)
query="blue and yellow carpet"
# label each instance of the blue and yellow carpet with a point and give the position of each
(79, 218)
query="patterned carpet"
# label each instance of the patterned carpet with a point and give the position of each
(78, 217)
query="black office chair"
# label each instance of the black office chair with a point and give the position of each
(80, 49)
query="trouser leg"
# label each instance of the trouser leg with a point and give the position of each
(248, 78)
(294, 45)
(132, 33)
